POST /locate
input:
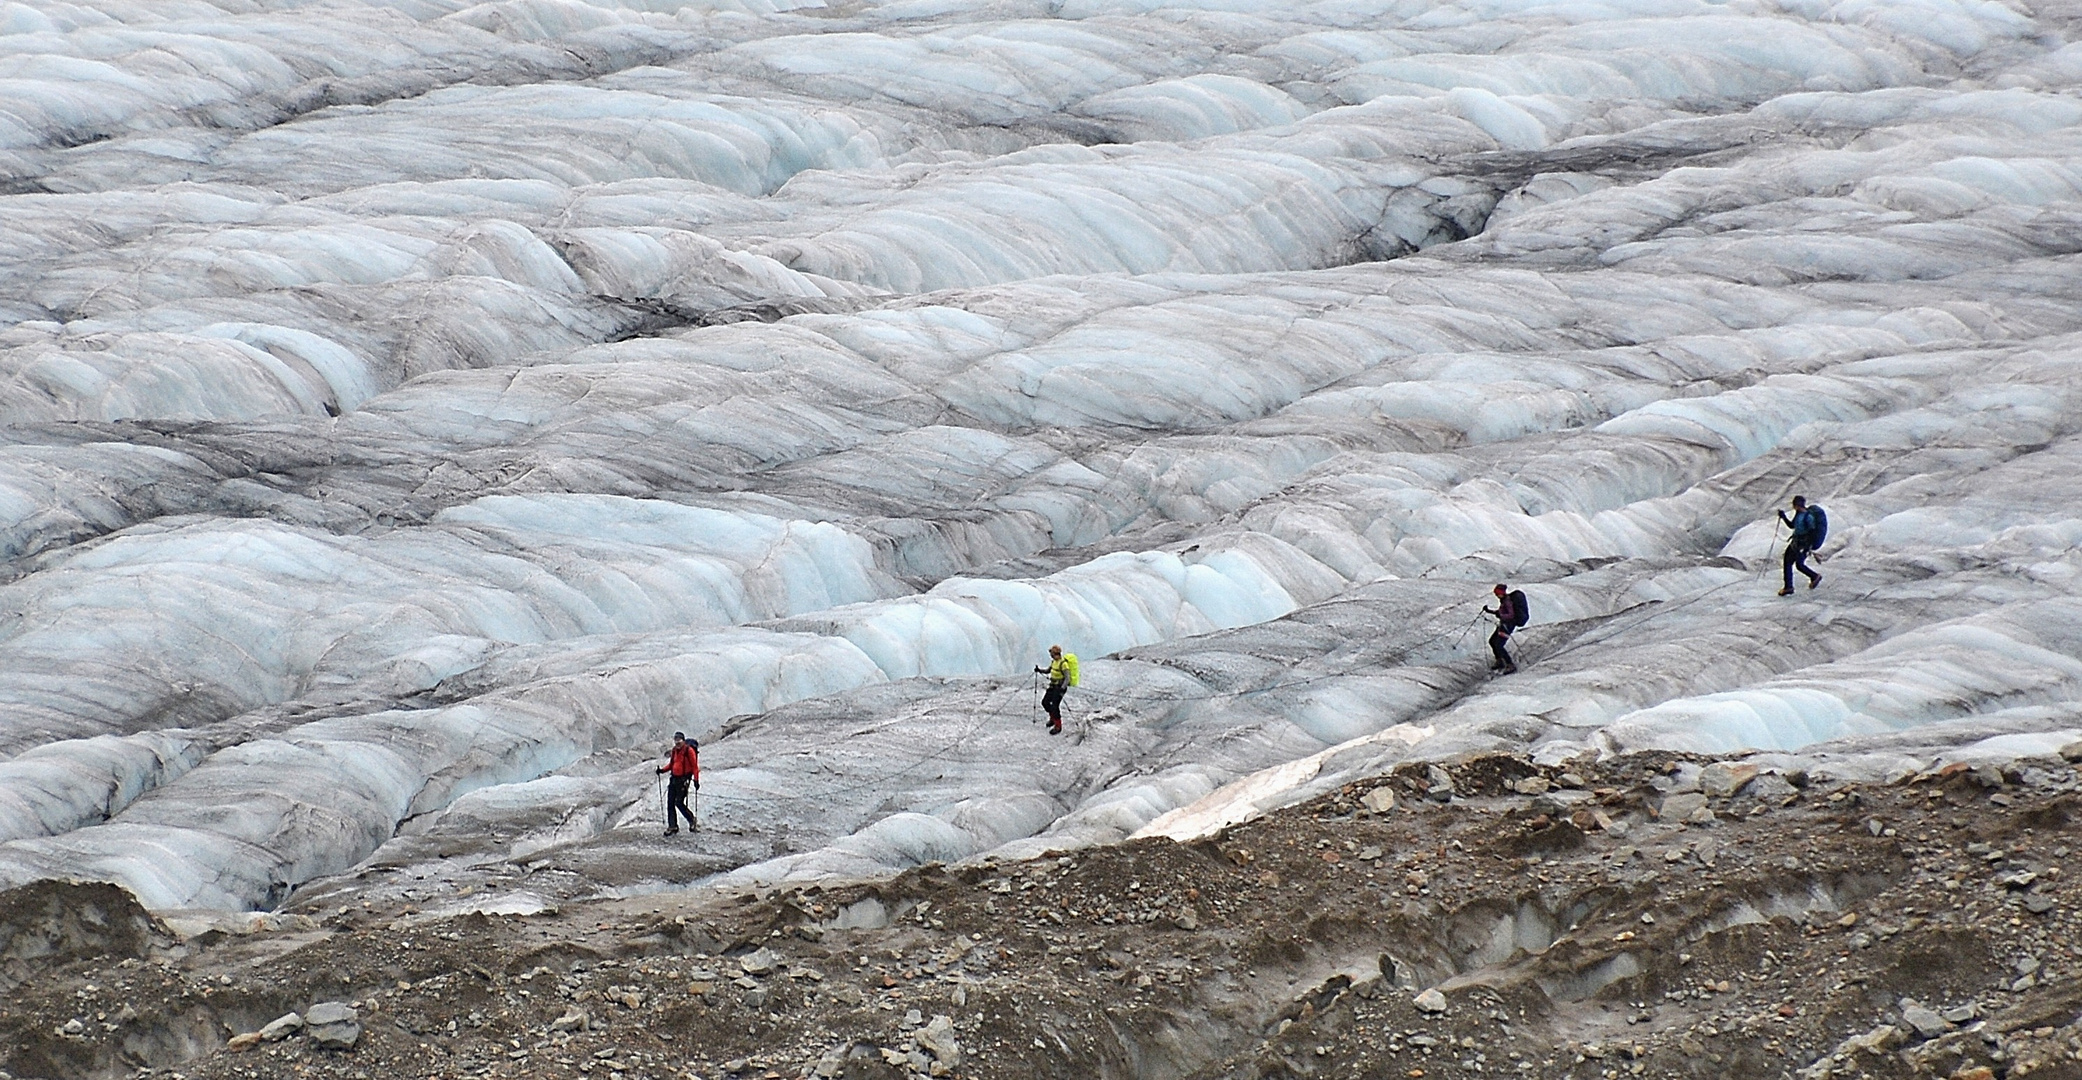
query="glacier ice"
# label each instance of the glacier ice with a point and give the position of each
(412, 412)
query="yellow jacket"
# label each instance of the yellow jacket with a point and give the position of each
(1063, 669)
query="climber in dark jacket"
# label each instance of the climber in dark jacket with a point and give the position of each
(1810, 527)
(1508, 618)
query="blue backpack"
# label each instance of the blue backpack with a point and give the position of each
(1817, 525)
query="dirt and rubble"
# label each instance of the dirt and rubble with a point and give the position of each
(1651, 916)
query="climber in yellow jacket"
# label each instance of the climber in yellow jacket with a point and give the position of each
(1062, 675)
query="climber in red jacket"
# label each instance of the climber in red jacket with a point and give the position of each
(684, 763)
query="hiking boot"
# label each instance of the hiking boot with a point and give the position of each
(1787, 591)
(672, 832)
(1814, 581)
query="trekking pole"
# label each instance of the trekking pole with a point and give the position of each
(1464, 631)
(1766, 563)
(1035, 681)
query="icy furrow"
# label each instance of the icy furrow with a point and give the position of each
(203, 620)
(1371, 714)
(392, 765)
(1982, 664)
(1404, 529)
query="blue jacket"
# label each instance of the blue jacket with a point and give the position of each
(1807, 527)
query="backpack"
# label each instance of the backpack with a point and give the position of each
(1520, 613)
(1070, 666)
(1818, 526)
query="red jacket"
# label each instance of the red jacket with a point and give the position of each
(684, 761)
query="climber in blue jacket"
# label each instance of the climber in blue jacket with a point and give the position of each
(1810, 527)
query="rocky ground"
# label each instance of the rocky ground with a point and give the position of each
(1652, 916)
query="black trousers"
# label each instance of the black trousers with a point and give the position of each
(676, 803)
(1796, 557)
(1497, 641)
(1052, 701)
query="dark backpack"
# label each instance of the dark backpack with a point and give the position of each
(1520, 613)
(1818, 526)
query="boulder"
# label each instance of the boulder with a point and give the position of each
(282, 1027)
(1679, 807)
(331, 1012)
(1772, 786)
(1724, 779)
(937, 1037)
(333, 1025)
(1924, 1019)
(760, 961)
(1683, 779)
(1875, 1042)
